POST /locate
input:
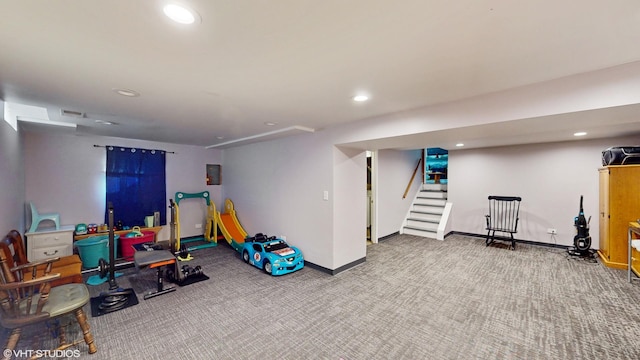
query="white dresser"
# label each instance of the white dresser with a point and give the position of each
(49, 243)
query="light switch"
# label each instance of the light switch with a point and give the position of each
(325, 195)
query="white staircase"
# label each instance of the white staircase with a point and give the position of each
(426, 212)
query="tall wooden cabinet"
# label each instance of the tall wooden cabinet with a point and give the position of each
(619, 205)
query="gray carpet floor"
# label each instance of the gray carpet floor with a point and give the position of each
(413, 298)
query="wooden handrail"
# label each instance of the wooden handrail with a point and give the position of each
(412, 177)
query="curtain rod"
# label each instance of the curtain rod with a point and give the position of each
(104, 146)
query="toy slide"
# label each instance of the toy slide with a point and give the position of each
(230, 226)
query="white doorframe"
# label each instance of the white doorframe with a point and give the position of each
(374, 196)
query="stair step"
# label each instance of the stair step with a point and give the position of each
(430, 202)
(418, 215)
(428, 209)
(418, 232)
(432, 195)
(422, 225)
(434, 187)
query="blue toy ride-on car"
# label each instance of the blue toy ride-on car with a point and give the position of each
(272, 255)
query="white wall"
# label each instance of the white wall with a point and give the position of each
(277, 188)
(278, 185)
(65, 173)
(395, 168)
(11, 177)
(549, 177)
(349, 206)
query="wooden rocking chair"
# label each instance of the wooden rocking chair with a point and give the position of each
(33, 301)
(69, 267)
(502, 217)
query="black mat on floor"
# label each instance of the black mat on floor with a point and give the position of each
(96, 311)
(192, 279)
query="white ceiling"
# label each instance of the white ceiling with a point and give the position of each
(297, 63)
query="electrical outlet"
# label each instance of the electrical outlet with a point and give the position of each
(198, 226)
(552, 231)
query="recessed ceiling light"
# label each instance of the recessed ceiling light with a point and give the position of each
(179, 14)
(580, 133)
(219, 137)
(360, 98)
(459, 144)
(126, 92)
(269, 123)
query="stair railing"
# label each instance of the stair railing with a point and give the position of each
(406, 191)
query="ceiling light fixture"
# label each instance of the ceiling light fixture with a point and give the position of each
(360, 98)
(459, 144)
(580, 133)
(269, 123)
(126, 92)
(179, 14)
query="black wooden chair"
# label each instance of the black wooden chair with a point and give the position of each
(502, 217)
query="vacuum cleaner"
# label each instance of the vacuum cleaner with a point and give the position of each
(582, 239)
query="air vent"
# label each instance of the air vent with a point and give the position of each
(71, 113)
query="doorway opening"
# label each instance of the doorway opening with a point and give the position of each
(372, 233)
(437, 163)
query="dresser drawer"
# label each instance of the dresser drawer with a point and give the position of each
(49, 240)
(52, 251)
(46, 244)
